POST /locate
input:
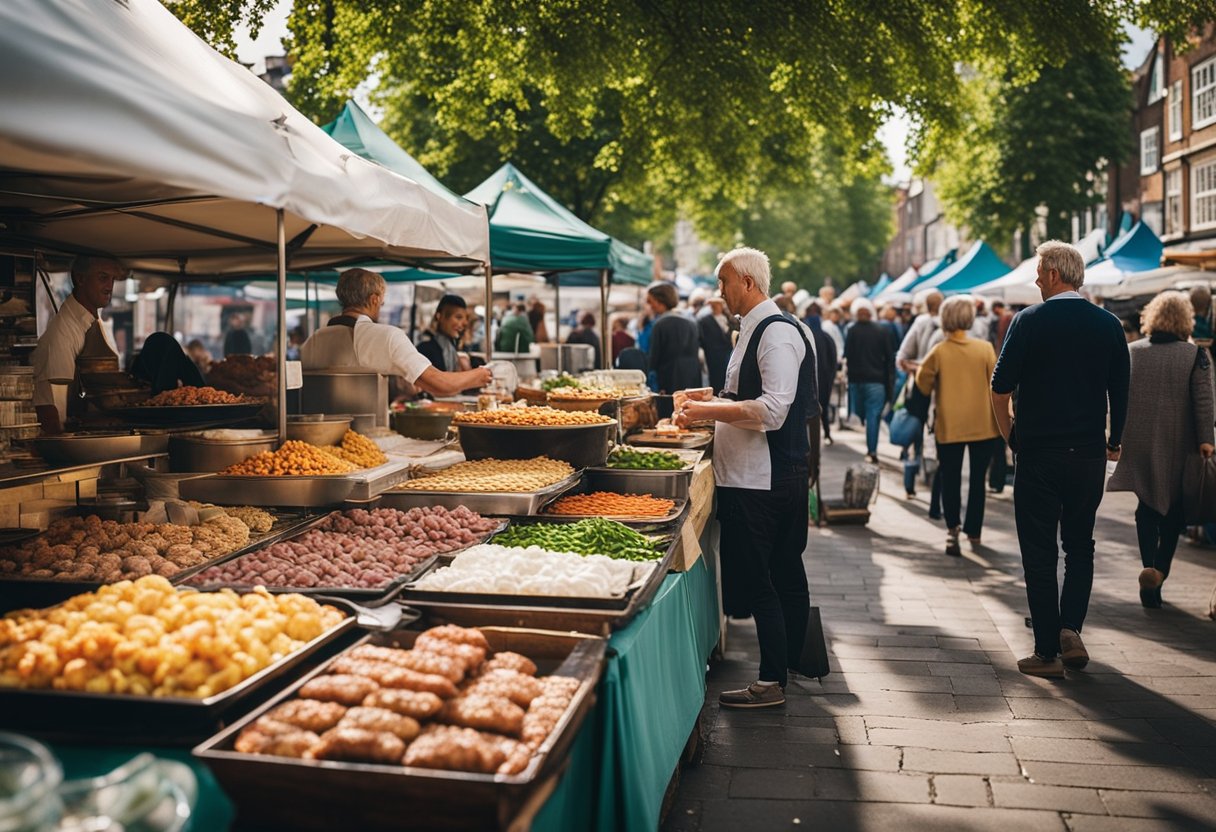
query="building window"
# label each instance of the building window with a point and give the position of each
(1150, 150)
(1175, 112)
(1156, 80)
(1173, 201)
(1203, 94)
(1203, 195)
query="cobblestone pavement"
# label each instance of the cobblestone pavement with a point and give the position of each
(925, 722)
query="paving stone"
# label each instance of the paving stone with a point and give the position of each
(961, 669)
(770, 735)
(959, 762)
(1057, 798)
(958, 643)
(875, 682)
(1099, 823)
(1135, 778)
(803, 756)
(953, 738)
(1198, 810)
(839, 816)
(772, 784)
(684, 816)
(1024, 708)
(704, 782)
(877, 786)
(851, 730)
(983, 707)
(1101, 753)
(975, 685)
(960, 790)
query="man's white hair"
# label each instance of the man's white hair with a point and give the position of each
(750, 262)
(1065, 259)
(863, 305)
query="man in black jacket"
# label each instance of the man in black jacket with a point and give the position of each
(1067, 359)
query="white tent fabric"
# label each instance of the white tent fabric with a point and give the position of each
(1018, 287)
(898, 285)
(1157, 280)
(123, 132)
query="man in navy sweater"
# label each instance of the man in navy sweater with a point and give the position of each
(1066, 359)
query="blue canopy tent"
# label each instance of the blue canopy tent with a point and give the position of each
(883, 282)
(977, 267)
(1137, 250)
(927, 274)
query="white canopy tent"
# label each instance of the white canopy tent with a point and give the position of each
(1156, 280)
(898, 285)
(1018, 287)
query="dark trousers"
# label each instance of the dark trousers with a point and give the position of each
(1158, 536)
(999, 471)
(763, 535)
(1057, 491)
(950, 457)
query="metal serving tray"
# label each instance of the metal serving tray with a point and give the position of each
(673, 485)
(86, 448)
(628, 519)
(372, 482)
(75, 716)
(690, 457)
(18, 592)
(297, 492)
(654, 439)
(522, 503)
(282, 793)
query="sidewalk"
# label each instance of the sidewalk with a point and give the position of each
(925, 722)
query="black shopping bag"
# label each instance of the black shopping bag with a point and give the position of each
(814, 659)
(1199, 490)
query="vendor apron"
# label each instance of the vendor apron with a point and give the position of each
(95, 346)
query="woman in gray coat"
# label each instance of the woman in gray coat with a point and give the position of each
(1169, 418)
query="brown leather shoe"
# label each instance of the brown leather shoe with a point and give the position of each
(1150, 588)
(1072, 650)
(754, 695)
(1036, 665)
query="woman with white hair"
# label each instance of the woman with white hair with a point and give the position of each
(1169, 419)
(958, 370)
(869, 356)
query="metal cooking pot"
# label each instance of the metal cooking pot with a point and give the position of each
(424, 422)
(318, 429)
(193, 454)
(583, 446)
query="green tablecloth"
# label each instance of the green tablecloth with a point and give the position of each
(627, 749)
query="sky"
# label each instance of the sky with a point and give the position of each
(893, 135)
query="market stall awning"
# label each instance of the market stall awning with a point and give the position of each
(1137, 250)
(1154, 281)
(978, 266)
(883, 282)
(1018, 287)
(929, 271)
(531, 231)
(125, 133)
(899, 285)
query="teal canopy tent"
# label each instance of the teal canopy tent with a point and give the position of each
(883, 282)
(978, 266)
(927, 273)
(1137, 250)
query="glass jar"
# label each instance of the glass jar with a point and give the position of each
(29, 778)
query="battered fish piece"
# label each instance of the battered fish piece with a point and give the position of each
(405, 702)
(417, 660)
(344, 689)
(391, 676)
(489, 713)
(506, 660)
(380, 719)
(309, 714)
(358, 745)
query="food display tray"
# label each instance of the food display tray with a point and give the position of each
(187, 414)
(297, 492)
(654, 439)
(280, 793)
(86, 448)
(77, 716)
(372, 482)
(17, 592)
(596, 616)
(628, 519)
(690, 457)
(674, 486)
(513, 504)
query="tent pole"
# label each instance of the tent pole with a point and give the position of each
(487, 345)
(605, 355)
(557, 315)
(281, 348)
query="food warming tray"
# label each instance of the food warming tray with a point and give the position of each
(584, 487)
(370, 482)
(690, 458)
(187, 414)
(17, 592)
(322, 491)
(77, 716)
(280, 793)
(655, 439)
(85, 448)
(513, 504)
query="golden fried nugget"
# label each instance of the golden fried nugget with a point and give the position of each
(509, 661)
(358, 745)
(406, 702)
(346, 689)
(460, 635)
(309, 714)
(423, 662)
(488, 713)
(380, 719)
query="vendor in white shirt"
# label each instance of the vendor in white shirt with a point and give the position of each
(354, 339)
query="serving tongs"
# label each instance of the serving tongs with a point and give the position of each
(379, 615)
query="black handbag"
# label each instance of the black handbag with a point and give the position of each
(1199, 490)
(814, 659)
(917, 403)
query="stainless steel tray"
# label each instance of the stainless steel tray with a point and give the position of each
(76, 716)
(628, 519)
(673, 486)
(274, 793)
(85, 448)
(296, 492)
(521, 503)
(642, 573)
(658, 441)
(371, 482)
(690, 457)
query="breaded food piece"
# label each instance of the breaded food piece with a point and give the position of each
(411, 703)
(391, 676)
(380, 719)
(280, 739)
(309, 714)
(507, 660)
(487, 713)
(458, 635)
(519, 688)
(345, 689)
(418, 660)
(455, 749)
(470, 654)
(358, 745)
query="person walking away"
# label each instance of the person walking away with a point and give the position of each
(586, 334)
(1067, 360)
(958, 371)
(536, 320)
(621, 339)
(922, 336)
(870, 361)
(1170, 414)
(760, 466)
(713, 327)
(675, 342)
(827, 364)
(998, 471)
(515, 335)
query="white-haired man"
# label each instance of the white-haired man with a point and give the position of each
(1067, 360)
(760, 464)
(354, 339)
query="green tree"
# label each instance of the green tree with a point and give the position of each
(1032, 146)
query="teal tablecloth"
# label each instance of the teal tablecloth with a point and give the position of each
(628, 747)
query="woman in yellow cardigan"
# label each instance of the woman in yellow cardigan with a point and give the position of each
(959, 370)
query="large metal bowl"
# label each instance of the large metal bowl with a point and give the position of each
(318, 429)
(193, 454)
(425, 422)
(583, 446)
(84, 448)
